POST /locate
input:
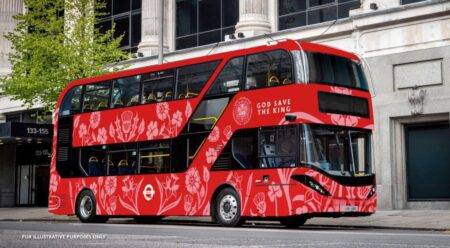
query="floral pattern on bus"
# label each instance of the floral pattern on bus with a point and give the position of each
(131, 125)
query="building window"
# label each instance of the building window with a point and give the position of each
(293, 13)
(403, 2)
(202, 22)
(126, 15)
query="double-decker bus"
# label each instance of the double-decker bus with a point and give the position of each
(279, 131)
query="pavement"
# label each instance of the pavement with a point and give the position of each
(437, 220)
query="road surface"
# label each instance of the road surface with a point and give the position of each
(74, 234)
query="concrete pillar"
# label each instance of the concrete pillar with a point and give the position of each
(150, 27)
(253, 17)
(8, 9)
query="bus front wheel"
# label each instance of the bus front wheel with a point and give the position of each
(227, 208)
(86, 208)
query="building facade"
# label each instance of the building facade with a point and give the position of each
(405, 43)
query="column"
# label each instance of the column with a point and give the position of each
(150, 27)
(253, 17)
(8, 9)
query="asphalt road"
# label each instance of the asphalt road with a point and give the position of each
(73, 234)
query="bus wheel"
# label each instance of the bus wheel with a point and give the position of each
(293, 222)
(85, 208)
(227, 210)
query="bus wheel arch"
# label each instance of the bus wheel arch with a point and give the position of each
(227, 195)
(86, 207)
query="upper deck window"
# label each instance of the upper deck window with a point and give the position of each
(335, 70)
(268, 69)
(96, 97)
(229, 79)
(72, 102)
(294, 13)
(126, 91)
(191, 78)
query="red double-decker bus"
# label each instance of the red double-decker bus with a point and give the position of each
(280, 131)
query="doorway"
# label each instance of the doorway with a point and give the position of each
(32, 185)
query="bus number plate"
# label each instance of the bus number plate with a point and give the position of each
(349, 208)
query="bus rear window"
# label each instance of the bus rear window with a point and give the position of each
(335, 70)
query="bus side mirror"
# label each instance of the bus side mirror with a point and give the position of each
(290, 117)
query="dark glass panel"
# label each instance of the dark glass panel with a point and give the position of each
(344, 9)
(191, 78)
(186, 42)
(104, 26)
(292, 21)
(313, 3)
(291, 6)
(322, 15)
(209, 37)
(136, 29)
(136, 4)
(230, 12)
(121, 6)
(186, 17)
(209, 15)
(123, 28)
(411, 1)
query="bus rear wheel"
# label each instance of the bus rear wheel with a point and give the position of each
(227, 208)
(85, 208)
(293, 222)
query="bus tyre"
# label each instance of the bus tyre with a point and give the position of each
(227, 208)
(293, 222)
(86, 208)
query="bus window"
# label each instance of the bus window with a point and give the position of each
(126, 91)
(277, 148)
(71, 103)
(229, 79)
(244, 149)
(207, 114)
(154, 157)
(96, 97)
(335, 70)
(93, 161)
(158, 86)
(191, 78)
(122, 160)
(268, 69)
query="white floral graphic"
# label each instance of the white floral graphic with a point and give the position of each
(152, 130)
(344, 120)
(211, 155)
(260, 202)
(54, 182)
(162, 110)
(102, 135)
(168, 192)
(188, 203)
(192, 180)
(274, 192)
(227, 132)
(110, 185)
(93, 187)
(94, 119)
(177, 118)
(126, 128)
(214, 135)
(82, 130)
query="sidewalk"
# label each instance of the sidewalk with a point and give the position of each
(398, 219)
